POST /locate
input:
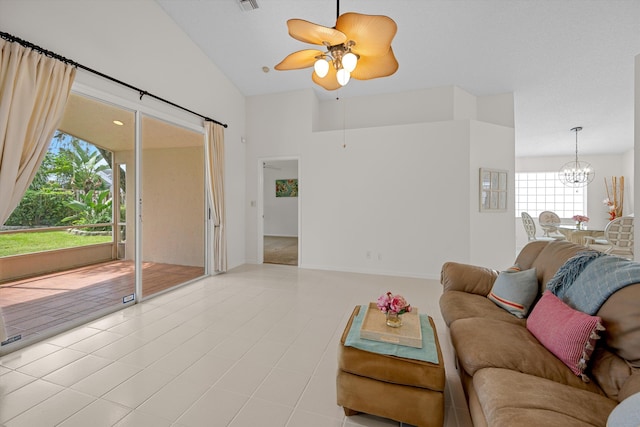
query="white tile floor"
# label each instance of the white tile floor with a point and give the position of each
(253, 347)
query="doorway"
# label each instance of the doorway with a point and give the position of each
(280, 212)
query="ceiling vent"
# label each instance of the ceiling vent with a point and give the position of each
(248, 5)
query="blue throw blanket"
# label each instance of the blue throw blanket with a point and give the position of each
(588, 279)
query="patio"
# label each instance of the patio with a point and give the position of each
(31, 306)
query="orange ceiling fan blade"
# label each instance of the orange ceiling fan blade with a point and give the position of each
(372, 67)
(329, 82)
(309, 32)
(298, 60)
(372, 33)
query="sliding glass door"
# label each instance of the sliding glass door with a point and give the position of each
(172, 205)
(124, 194)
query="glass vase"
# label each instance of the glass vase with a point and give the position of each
(578, 225)
(394, 319)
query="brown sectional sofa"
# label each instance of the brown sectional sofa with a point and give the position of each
(510, 378)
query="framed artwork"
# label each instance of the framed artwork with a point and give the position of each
(493, 190)
(286, 187)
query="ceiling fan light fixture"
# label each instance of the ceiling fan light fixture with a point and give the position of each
(343, 76)
(358, 46)
(321, 67)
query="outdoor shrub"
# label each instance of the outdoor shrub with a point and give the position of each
(44, 207)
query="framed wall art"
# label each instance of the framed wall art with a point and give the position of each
(287, 187)
(493, 190)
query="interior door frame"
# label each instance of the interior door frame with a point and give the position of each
(260, 207)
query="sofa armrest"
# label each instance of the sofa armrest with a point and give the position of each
(467, 278)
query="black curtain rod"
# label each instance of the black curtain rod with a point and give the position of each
(142, 93)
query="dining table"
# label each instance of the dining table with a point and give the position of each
(577, 235)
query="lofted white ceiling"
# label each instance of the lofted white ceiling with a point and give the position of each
(568, 62)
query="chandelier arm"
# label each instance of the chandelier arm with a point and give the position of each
(577, 147)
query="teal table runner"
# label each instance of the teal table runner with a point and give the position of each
(428, 352)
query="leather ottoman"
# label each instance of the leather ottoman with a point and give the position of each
(406, 390)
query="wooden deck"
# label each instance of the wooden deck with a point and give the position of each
(30, 306)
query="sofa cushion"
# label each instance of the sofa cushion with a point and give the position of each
(456, 305)
(630, 387)
(609, 371)
(567, 333)
(621, 316)
(490, 343)
(515, 290)
(509, 398)
(455, 276)
(550, 259)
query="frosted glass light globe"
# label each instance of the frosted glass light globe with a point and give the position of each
(343, 76)
(321, 67)
(349, 62)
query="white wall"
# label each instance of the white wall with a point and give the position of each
(628, 170)
(491, 147)
(394, 201)
(280, 213)
(636, 145)
(393, 192)
(173, 208)
(138, 43)
(278, 125)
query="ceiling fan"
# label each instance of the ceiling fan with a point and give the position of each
(359, 47)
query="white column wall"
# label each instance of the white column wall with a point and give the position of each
(276, 126)
(491, 146)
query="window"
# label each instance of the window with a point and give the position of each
(543, 191)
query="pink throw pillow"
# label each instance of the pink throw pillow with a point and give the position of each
(567, 333)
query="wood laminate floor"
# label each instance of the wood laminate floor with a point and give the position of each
(280, 250)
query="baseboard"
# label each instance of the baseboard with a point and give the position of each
(376, 272)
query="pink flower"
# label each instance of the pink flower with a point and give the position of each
(393, 303)
(398, 303)
(384, 302)
(580, 218)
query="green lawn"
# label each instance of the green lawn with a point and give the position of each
(24, 243)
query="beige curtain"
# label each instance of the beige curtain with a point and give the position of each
(33, 92)
(215, 166)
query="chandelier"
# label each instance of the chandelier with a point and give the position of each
(575, 173)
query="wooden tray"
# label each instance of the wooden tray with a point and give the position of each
(374, 327)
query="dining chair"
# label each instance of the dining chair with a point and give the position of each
(550, 221)
(530, 227)
(618, 234)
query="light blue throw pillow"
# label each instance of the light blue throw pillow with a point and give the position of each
(515, 290)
